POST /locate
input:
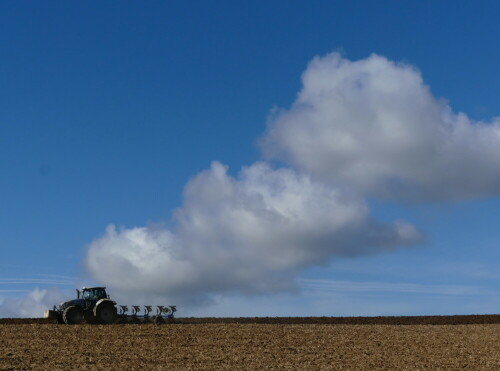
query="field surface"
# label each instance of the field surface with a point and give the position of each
(228, 344)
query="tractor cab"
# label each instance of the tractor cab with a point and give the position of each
(93, 293)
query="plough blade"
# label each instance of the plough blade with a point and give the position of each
(147, 309)
(135, 309)
(123, 310)
(163, 313)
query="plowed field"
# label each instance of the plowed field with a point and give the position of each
(250, 346)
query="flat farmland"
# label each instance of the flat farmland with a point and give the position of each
(228, 345)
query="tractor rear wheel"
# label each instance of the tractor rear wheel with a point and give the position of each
(106, 313)
(73, 315)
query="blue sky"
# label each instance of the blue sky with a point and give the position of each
(108, 109)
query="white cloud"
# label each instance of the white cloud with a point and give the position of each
(250, 234)
(368, 128)
(373, 125)
(31, 305)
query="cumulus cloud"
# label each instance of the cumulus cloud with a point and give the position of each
(31, 305)
(358, 129)
(373, 125)
(249, 234)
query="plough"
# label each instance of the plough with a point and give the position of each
(163, 314)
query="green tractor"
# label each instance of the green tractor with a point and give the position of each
(92, 305)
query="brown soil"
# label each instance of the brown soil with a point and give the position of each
(402, 320)
(230, 346)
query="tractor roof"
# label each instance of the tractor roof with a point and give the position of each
(91, 288)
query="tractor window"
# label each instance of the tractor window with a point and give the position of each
(94, 294)
(99, 293)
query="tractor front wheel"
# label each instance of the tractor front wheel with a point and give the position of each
(73, 315)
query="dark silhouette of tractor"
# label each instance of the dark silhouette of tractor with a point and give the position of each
(92, 305)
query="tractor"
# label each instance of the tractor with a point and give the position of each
(92, 305)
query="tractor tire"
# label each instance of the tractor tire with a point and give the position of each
(106, 314)
(73, 315)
